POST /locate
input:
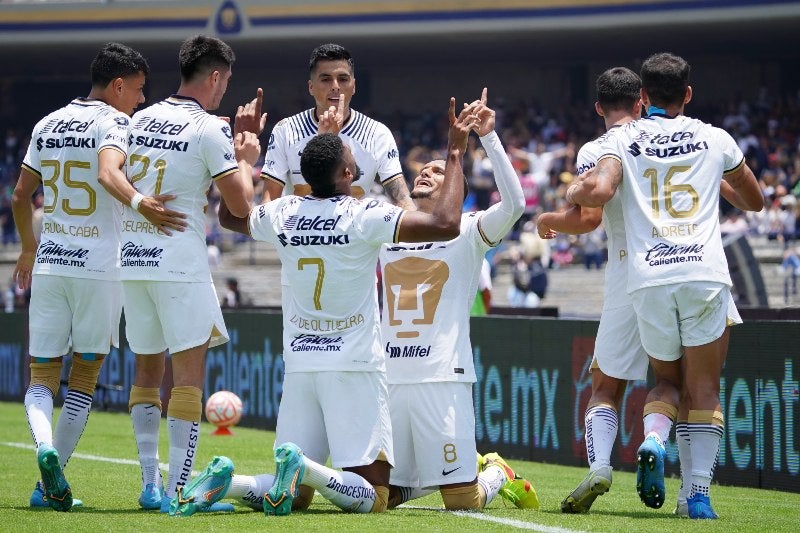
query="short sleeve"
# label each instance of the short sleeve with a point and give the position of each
(386, 154)
(378, 221)
(113, 132)
(276, 164)
(217, 148)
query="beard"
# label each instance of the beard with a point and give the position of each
(416, 195)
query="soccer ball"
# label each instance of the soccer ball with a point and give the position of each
(223, 409)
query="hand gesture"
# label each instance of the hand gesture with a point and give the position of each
(23, 272)
(460, 126)
(247, 147)
(249, 116)
(153, 208)
(485, 115)
(332, 120)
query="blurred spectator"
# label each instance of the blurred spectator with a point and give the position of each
(593, 247)
(790, 270)
(734, 224)
(232, 299)
(7, 226)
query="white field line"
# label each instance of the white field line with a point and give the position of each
(519, 524)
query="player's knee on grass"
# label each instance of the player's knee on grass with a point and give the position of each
(303, 500)
(144, 395)
(83, 374)
(381, 499)
(47, 374)
(463, 498)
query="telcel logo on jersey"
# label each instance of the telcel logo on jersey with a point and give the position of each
(163, 127)
(317, 223)
(412, 350)
(63, 126)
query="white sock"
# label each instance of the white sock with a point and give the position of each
(658, 426)
(491, 480)
(685, 459)
(345, 490)
(601, 432)
(146, 422)
(39, 408)
(705, 448)
(71, 423)
(250, 490)
(183, 439)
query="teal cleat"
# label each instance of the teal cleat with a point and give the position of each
(151, 496)
(56, 489)
(650, 473)
(39, 500)
(699, 507)
(289, 474)
(204, 491)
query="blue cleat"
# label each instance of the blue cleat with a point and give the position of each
(699, 507)
(151, 497)
(289, 474)
(650, 473)
(39, 500)
(205, 490)
(56, 489)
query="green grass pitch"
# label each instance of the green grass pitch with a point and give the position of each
(104, 473)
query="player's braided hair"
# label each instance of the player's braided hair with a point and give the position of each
(201, 54)
(322, 157)
(329, 52)
(114, 61)
(665, 77)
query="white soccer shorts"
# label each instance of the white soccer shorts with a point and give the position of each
(341, 414)
(618, 350)
(166, 314)
(434, 434)
(680, 314)
(73, 312)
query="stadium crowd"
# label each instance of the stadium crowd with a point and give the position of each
(542, 143)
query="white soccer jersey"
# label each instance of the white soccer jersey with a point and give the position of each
(329, 251)
(428, 289)
(176, 147)
(670, 192)
(80, 226)
(616, 274)
(371, 142)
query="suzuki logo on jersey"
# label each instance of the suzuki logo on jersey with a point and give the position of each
(65, 142)
(413, 350)
(163, 127)
(672, 151)
(634, 149)
(161, 144)
(313, 240)
(317, 223)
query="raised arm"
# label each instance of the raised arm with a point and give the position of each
(498, 220)
(445, 221)
(574, 220)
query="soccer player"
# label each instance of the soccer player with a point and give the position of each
(76, 296)
(178, 148)
(672, 166)
(332, 84)
(335, 398)
(428, 290)
(618, 354)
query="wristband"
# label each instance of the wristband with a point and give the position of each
(570, 193)
(136, 200)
